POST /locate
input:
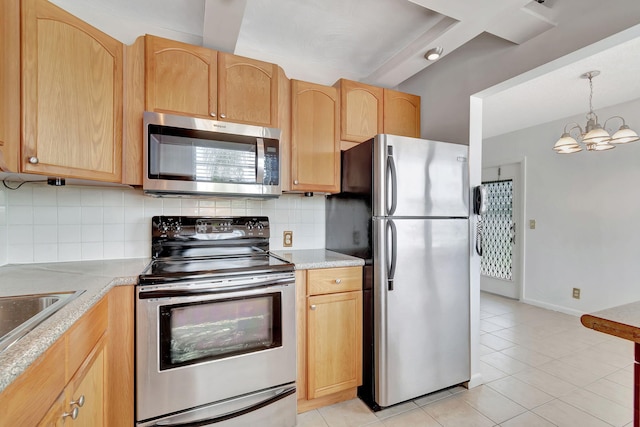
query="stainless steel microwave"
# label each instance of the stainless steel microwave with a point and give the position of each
(200, 157)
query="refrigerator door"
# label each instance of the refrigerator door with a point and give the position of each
(421, 306)
(419, 178)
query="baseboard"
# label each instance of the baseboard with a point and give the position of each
(552, 307)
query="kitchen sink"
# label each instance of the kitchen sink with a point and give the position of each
(20, 314)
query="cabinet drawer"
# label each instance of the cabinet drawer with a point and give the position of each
(332, 280)
(84, 335)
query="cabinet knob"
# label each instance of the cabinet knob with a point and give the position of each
(296, 182)
(223, 116)
(79, 402)
(213, 114)
(338, 281)
(73, 414)
(33, 160)
(313, 307)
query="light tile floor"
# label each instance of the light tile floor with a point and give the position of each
(540, 367)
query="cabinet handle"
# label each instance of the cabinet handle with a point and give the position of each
(295, 182)
(33, 160)
(79, 402)
(313, 307)
(223, 116)
(213, 114)
(73, 414)
(338, 281)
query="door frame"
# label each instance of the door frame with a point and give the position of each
(520, 219)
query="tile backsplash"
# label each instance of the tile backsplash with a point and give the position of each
(40, 223)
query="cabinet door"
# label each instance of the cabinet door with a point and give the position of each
(334, 340)
(89, 387)
(9, 85)
(401, 113)
(361, 111)
(247, 90)
(57, 415)
(181, 78)
(72, 96)
(315, 147)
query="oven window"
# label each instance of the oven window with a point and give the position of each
(210, 330)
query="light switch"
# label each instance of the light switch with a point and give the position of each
(532, 224)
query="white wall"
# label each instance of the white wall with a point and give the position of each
(586, 207)
(40, 223)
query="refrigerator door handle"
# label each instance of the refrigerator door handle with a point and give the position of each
(391, 264)
(393, 180)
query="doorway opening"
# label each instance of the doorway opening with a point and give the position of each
(500, 263)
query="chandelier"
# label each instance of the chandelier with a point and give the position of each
(593, 137)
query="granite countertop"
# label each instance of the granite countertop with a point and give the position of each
(622, 321)
(96, 278)
(305, 259)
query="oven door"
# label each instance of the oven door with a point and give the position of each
(202, 342)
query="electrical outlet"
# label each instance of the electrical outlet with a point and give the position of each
(576, 293)
(287, 239)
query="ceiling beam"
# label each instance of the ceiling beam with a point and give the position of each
(222, 22)
(473, 19)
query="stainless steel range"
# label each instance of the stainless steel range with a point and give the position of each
(215, 326)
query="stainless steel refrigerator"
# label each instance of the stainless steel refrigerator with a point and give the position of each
(404, 208)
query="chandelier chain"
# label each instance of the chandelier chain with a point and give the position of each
(591, 113)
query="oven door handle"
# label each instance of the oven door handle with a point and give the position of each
(186, 291)
(230, 415)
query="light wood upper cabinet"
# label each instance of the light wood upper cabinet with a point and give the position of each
(369, 110)
(71, 96)
(181, 78)
(315, 145)
(10, 86)
(361, 115)
(401, 113)
(247, 90)
(200, 82)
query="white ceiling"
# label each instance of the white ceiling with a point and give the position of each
(382, 42)
(556, 90)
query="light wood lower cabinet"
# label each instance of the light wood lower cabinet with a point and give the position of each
(83, 401)
(88, 370)
(329, 335)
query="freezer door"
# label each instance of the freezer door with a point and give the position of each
(421, 307)
(419, 178)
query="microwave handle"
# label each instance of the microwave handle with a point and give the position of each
(260, 159)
